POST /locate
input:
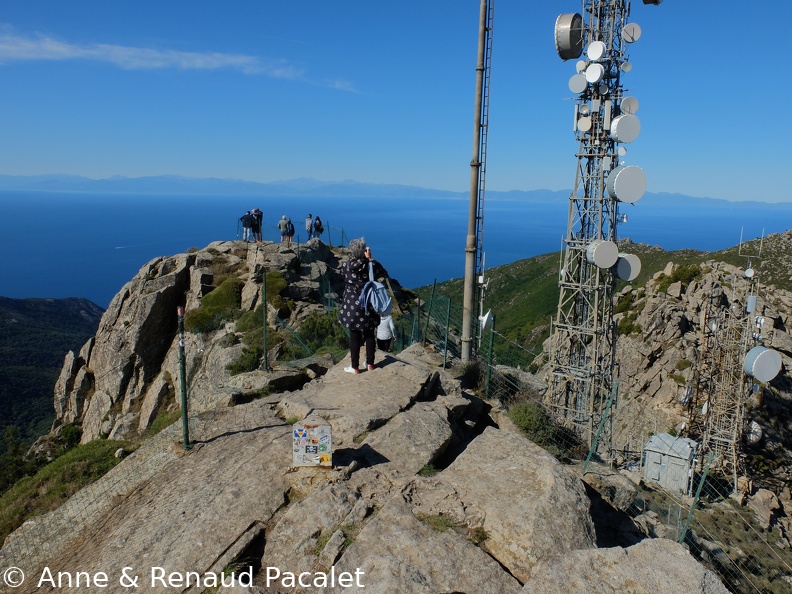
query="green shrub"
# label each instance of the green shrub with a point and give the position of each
(217, 307)
(248, 360)
(534, 420)
(683, 364)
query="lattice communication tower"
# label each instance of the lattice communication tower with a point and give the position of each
(583, 341)
(733, 361)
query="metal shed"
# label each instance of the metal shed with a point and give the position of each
(668, 461)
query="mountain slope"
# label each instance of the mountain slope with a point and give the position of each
(35, 335)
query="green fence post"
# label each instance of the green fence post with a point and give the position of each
(695, 499)
(182, 379)
(429, 312)
(264, 315)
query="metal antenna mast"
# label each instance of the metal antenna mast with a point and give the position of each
(584, 335)
(474, 255)
(733, 359)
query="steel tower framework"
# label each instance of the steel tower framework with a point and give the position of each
(583, 341)
(731, 330)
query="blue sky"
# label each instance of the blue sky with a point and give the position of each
(383, 92)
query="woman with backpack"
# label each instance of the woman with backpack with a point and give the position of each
(361, 321)
(318, 227)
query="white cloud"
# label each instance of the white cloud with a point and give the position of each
(15, 48)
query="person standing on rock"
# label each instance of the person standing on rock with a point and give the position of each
(283, 225)
(361, 321)
(258, 219)
(309, 226)
(318, 227)
(247, 223)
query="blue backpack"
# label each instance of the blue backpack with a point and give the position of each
(375, 295)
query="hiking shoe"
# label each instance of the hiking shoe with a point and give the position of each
(351, 369)
(370, 368)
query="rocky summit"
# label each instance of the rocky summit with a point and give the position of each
(431, 488)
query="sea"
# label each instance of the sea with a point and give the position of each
(71, 244)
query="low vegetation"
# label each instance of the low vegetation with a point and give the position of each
(57, 481)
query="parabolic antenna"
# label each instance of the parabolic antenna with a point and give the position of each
(749, 273)
(602, 253)
(584, 124)
(621, 151)
(603, 89)
(578, 83)
(628, 267)
(585, 109)
(631, 32)
(569, 36)
(762, 363)
(580, 66)
(596, 50)
(629, 105)
(625, 128)
(626, 66)
(594, 73)
(627, 183)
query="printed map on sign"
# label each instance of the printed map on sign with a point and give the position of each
(312, 442)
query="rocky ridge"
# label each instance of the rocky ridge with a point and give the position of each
(497, 516)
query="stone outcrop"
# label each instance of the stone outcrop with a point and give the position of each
(496, 514)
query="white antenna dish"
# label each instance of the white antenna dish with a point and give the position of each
(749, 273)
(585, 109)
(631, 32)
(629, 105)
(584, 124)
(578, 83)
(627, 183)
(581, 65)
(628, 266)
(621, 151)
(569, 36)
(602, 253)
(762, 363)
(626, 66)
(596, 50)
(625, 128)
(486, 320)
(594, 73)
(603, 89)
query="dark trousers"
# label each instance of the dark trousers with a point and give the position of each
(383, 344)
(356, 340)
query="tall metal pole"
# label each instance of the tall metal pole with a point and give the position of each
(182, 379)
(471, 244)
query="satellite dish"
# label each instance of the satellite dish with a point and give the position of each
(749, 273)
(629, 105)
(487, 320)
(621, 151)
(625, 128)
(631, 32)
(596, 50)
(578, 83)
(585, 109)
(603, 89)
(580, 66)
(569, 36)
(584, 124)
(762, 363)
(754, 433)
(628, 267)
(602, 253)
(594, 73)
(627, 183)
(626, 66)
